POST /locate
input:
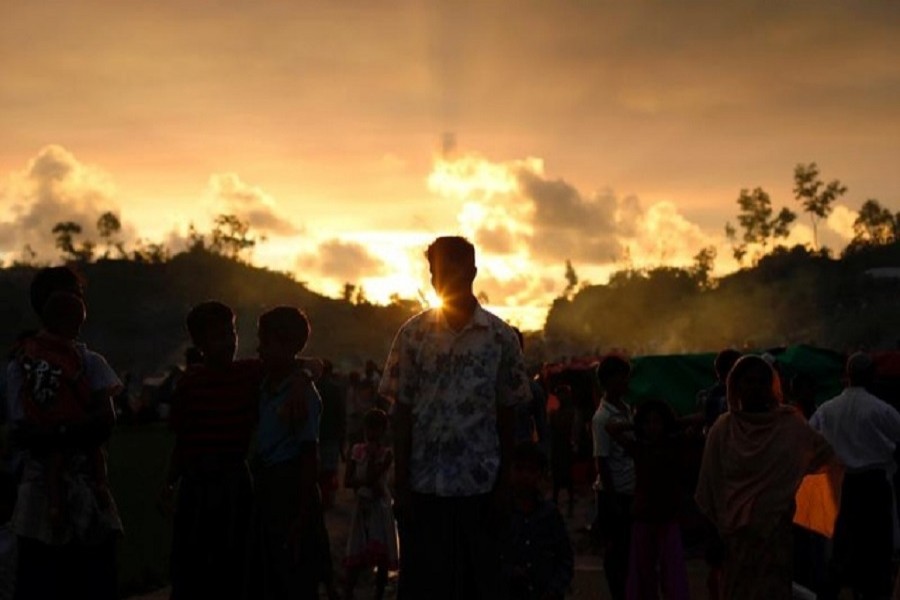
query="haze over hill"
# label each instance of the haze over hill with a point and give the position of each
(137, 308)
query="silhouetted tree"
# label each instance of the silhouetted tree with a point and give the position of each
(231, 236)
(348, 292)
(758, 225)
(108, 227)
(85, 251)
(195, 240)
(65, 232)
(154, 253)
(571, 280)
(875, 225)
(704, 263)
(816, 200)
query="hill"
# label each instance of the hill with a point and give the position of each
(792, 296)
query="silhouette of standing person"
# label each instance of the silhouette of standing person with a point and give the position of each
(755, 458)
(455, 375)
(67, 529)
(864, 431)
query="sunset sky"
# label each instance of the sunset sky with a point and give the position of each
(351, 133)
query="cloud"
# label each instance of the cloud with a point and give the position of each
(522, 289)
(496, 240)
(568, 224)
(53, 187)
(341, 261)
(663, 236)
(231, 195)
(841, 221)
(514, 208)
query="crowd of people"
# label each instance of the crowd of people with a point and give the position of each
(448, 452)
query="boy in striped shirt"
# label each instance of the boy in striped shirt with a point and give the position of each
(214, 413)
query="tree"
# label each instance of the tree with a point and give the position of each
(195, 240)
(65, 232)
(108, 227)
(571, 280)
(758, 225)
(154, 253)
(704, 262)
(816, 200)
(875, 225)
(85, 251)
(231, 236)
(349, 292)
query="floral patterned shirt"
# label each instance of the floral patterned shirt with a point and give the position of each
(454, 382)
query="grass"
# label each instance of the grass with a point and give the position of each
(138, 457)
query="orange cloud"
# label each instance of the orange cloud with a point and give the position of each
(54, 187)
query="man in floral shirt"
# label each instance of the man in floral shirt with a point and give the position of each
(455, 375)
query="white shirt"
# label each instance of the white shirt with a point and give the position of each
(621, 466)
(862, 429)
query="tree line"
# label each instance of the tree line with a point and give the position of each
(230, 236)
(760, 227)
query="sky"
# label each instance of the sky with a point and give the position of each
(350, 134)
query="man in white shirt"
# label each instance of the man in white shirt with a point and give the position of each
(615, 471)
(864, 431)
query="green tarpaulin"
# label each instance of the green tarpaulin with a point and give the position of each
(677, 378)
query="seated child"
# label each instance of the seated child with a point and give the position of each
(537, 558)
(373, 533)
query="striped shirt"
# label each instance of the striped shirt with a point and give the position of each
(214, 413)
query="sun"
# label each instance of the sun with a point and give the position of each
(433, 300)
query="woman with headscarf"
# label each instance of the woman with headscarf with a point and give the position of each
(756, 455)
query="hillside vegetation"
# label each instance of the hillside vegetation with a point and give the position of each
(137, 308)
(790, 296)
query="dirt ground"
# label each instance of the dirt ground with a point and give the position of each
(589, 582)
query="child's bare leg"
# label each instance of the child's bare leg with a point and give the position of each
(381, 577)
